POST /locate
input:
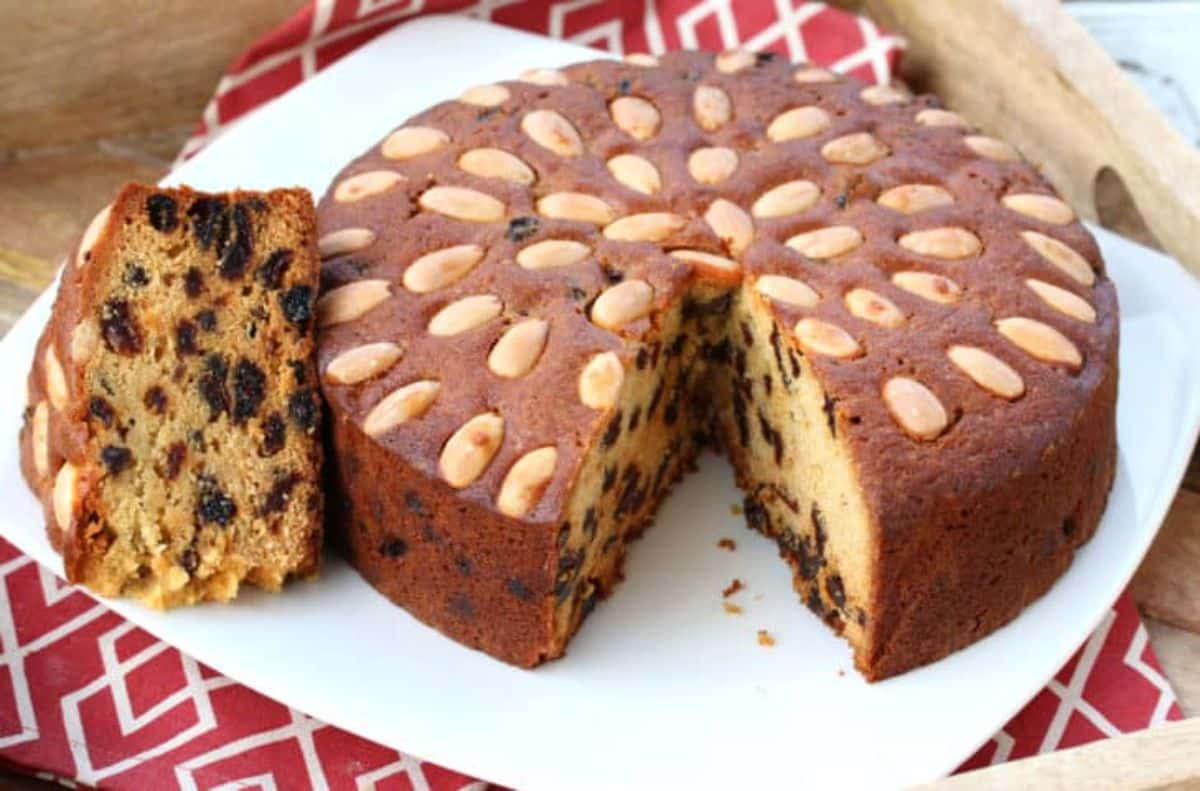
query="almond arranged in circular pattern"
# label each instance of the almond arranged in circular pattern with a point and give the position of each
(649, 227)
(413, 141)
(791, 197)
(470, 449)
(949, 243)
(66, 495)
(547, 77)
(787, 289)
(859, 148)
(348, 302)
(526, 480)
(712, 165)
(84, 340)
(361, 363)
(798, 123)
(56, 379)
(91, 234)
(347, 240)
(1065, 302)
(937, 117)
(826, 242)
(644, 59)
(635, 172)
(495, 163)
(936, 288)
(364, 185)
(1061, 256)
(576, 206)
(553, 253)
(465, 314)
(711, 107)
(635, 116)
(731, 224)
(440, 268)
(731, 61)
(807, 75)
(1046, 208)
(39, 436)
(915, 408)
(707, 260)
(485, 95)
(913, 198)
(884, 94)
(873, 307)
(462, 203)
(988, 371)
(519, 348)
(552, 131)
(821, 337)
(991, 148)
(600, 381)
(1040, 340)
(401, 405)
(623, 303)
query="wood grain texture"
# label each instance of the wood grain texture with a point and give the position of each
(1178, 652)
(1167, 586)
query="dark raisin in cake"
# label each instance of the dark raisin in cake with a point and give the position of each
(172, 430)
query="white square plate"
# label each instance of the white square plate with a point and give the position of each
(661, 687)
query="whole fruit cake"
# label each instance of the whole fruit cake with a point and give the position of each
(540, 300)
(172, 429)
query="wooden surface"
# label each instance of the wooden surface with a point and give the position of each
(69, 136)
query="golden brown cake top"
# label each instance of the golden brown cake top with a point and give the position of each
(487, 260)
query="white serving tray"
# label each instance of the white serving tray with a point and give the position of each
(661, 688)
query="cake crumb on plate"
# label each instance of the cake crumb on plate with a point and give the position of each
(765, 638)
(733, 588)
(727, 544)
(731, 608)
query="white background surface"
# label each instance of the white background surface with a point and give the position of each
(661, 687)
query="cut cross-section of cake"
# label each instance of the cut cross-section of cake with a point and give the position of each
(172, 429)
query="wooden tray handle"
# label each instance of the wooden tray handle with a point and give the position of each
(1026, 71)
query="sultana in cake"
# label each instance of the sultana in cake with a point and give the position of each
(542, 299)
(172, 428)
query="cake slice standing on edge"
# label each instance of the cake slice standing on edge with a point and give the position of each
(172, 427)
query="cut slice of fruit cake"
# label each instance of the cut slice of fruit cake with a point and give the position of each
(172, 427)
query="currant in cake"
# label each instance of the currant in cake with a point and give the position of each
(542, 299)
(172, 428)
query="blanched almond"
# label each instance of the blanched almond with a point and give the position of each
(56, 379)
(84, 340)
(470, 450)
(519, 348)
(826, 242)
(349, 302)
(552, 131)
(553, 253)
(787, 289)
(948, 243)
(39, 437)
(600, 381)
(401, 405)
(641, 59)
(1061, 256)
(1046, 208)
(485, 95)
(711, 107)
(929, 286)
(635, 172)
(988, 371)
(913, 198)
(873, 307)
(635, 116)
(791, 197)
(576, 206)
(1040, 340)
(731, 61)
(806, 75)
(91, 234)
(495, 163)
(441, 268)
(859, 148)
(547, 77)
(623, 303)
(649, 227)
(821, 337)
(362, 363)
(991, 148)
(526, 481)
(465, 314)
(462, 203)
(1065, 302)
(884, 94)
(347, 240)
(915, 408)
(731, 224)
(937, 117)
(797, 123)
(66, 495)
(413, 141)
(365, 185)
(712, 165)
(707, 260)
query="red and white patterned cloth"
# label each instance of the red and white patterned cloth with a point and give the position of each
(88, 698)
